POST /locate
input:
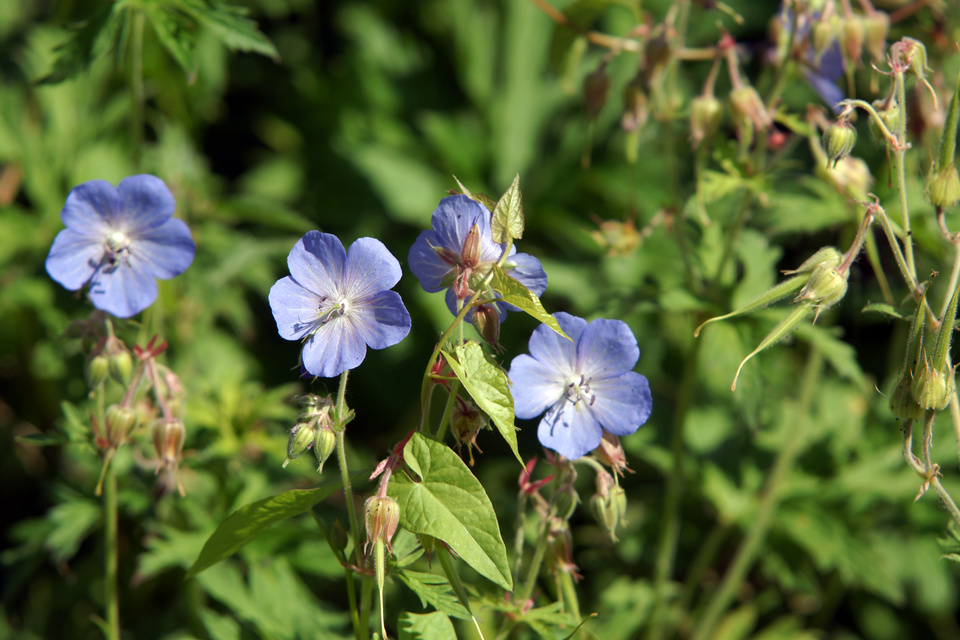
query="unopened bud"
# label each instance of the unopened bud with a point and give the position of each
(609, 504)
(471, 247)
(942, 187)
(933, 387)
(168, 436)
(611, 453)
(120, 421)
(913, 52)
(382, 515)
(748, 111)
(890, 116)
(851, 37)
(902, 402)
(595, 88)
(302, 437)
(120, 360)
(486, 319)
(827, 256)
(325, 443)
(98, 368)
(826, 287)
(838, 141)
(824, 34)
(466, 421)
(876, 26)
(705, 115)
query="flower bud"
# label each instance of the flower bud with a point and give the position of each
(889, 114)
(471, 247)
(466, 421)
(838, 141)
(824, 34)
(611, 453)
(913, 52)
(323, 446)
(172, 390)
(656, 54)
(120, 421)
(942, 187)
(827, 256)
(302, 437)
(933, 387)
(635, 111)
(902, 403)
(826, 287)
(595, 88)
(876, 26)
(168, 436)
(851, 37)
(609, 504)
(749, 112)
(98, 368)
(705, 115)
(119, 360)
(381, 516)
(486, 319)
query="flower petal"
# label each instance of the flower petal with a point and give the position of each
(570, 429)
(380, 320)
(623, 402)
(606, 348)
(370, 269)
(528, 271)
(535, 388)
(555, 352)
(294, 308)
(91, 209)
(334, 348)
(165, 250)
(144, 202)
(454, 217)
(74, 258)
(124, 289)
(316, 262)
(424, 262)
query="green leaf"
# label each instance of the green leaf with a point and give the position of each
(434, 590)
(230, 25)
(90, 41)
(507, 219)
(427, 626)
(72, 522)
(515, 293)
(885, 309)
(449, 503)
(489, 387)
(246, 523)
(179, 42)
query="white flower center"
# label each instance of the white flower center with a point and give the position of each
(330, 309)
(116, 248)
(578, 390)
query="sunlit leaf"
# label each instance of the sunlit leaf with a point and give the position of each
(515, 293)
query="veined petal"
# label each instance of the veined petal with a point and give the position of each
(74, 258)
(554, 352)
(370, 268)
(295, 309)
(570, 429)
(124, 289)
(424, 262)
(454, 217)
(316, 262)
(144, 202)
(165, 250)
(333, 348)
(535, 387)
(606, 347)
(528, 271)
(380, 320)
(91, 209)
(622, 403)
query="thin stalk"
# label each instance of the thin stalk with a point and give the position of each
(899, 167)
(952, 285)
(345, 471)
(533, 571)
(348, 576)
(448, 410)
(111, 596)
(568, 594)
(366, 602)
(782, 468)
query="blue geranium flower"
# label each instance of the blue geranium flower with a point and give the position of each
(338, 302)
(459, 251)
(119, 241)
(585, 386)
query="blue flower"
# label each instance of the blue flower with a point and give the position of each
(459, 251)
(338, 302)
(119, 241)
(585, 386)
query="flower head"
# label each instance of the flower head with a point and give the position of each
(459, 251)
(585, 386)
(119, 241)
(338, 302)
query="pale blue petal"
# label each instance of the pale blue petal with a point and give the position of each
(606, 348)
(124, 289)
(166, 250)
(74, 258)
(380, 320)
(454, 217)
(370, 269)
(570, 429)
(622, 403)
(424, 262)
(294, 308)
(555, 352)
(316, 262)
(144, 202)
(333, 349)
(528, 271)
(535, 388)
(91, 209)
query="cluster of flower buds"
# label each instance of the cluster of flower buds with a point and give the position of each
(313, 430)
(609, 503)
(109, 358)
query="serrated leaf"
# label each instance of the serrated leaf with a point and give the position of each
(179, 42)
(90, 41)
(426, 626)
(489, 387)
(247, 522)
(507, 219)
(72, 521)
(885, 309)
(434, 590)
(449, 503)
(513, 292)
(231, 26)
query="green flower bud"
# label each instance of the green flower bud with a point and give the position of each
(915, 54)
(824, 35)
(381, 516)
(889, 114)
(876, 26)
(120, 422)
(902, 403)
(826, 287)
(466, 421)
(827, 257)
(595, 88)
(851, 37)
(838, 141)
(933, 387)
(98, 368)
(302, 437)
(942, 187)
(749, 113)
(168, 437)
(609, 504)
(325, 443)
(705, 115)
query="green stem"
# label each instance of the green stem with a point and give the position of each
(110, 562)
(569, 594)
(344, 469)
(782, 468)
(366, 605)
(448, 410)
(533, 571)
(899, 166)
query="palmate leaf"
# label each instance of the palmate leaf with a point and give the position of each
(172, 32)
(434, 590)
(489, 387)
(447, 502)
(230, 25)
(427, 626)
(246, 523)
(96, 36)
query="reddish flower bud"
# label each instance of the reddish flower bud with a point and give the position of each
(382, 516)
